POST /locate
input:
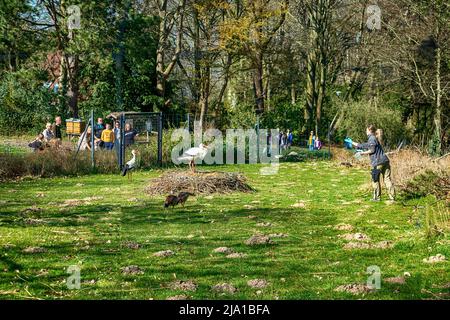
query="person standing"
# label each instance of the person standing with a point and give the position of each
(290, 139)
(117, 138)
(311, 141)
(108, 137)
(98, 130)
(57, 128)
(379, 162)
(130, 134)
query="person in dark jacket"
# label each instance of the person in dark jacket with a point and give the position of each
(379, 162)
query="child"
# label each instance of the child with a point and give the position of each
(38, 143)
(318, 144)
(108, 137)
(311, 141)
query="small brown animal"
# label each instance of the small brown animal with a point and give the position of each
(173, 200)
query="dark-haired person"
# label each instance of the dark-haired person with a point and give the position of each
(38, 143)
(380, 164)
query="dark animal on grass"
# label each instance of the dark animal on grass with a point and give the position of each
(173, 200)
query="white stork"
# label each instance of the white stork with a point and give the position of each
(194, 153)
(130, 165)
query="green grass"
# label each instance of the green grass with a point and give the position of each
(309, 264)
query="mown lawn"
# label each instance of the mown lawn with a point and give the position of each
(89, 221)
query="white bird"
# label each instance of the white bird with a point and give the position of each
(130, 165)
(194, 153)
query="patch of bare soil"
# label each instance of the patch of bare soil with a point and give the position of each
(435, 259)
(395, 280)
(178, 297)
(224, 288)
(258, 239)
(257, 283)
(236, 255)
(33, 222)
(79, 202)
(300, 204)
(132, 270)
(354, 288)
(31, 210)
(164, 253)
(344, 227)
(131, 245)
(183, 285)
(356, 245)
(355, 236)
(278, 235)
(225, 250)
(264, 224)
(34, 250)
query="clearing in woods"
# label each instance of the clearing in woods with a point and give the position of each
(308, 232)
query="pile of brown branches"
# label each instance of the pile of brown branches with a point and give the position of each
(200, 182)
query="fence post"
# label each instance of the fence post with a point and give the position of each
(92, 140)
(121, 142)
(160, 133)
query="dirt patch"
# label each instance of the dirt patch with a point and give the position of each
(164, 253)
(33, 222)
(178, 297)
(257, 283)
(224, 288)
(395, 280)
(132, 270)
(183, 285)
(199, 182)
(300, 204)
(356, 245)
(131, 245)
(225, 250)
(34, 250)
(264, 224)
(31, 210)
(258, 240)
(354, 288)
(435, 259)
(383, 245)
(79, 202)
(355, 236)
(278, 235)
(236, 255)
(344, 227)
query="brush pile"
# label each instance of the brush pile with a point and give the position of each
(200, 182)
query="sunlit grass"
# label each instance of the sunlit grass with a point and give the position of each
(86, 221)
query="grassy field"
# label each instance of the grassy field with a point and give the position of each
(103, 223)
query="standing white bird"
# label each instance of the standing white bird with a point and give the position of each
(193, 154)
(129, 166)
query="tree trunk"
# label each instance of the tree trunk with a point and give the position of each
(258, 82)
(437, 114)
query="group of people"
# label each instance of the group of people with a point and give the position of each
(106, 137)
(285, 139)
(52, 133)
(314, 142)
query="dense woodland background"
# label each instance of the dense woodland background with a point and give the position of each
(298, 64)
